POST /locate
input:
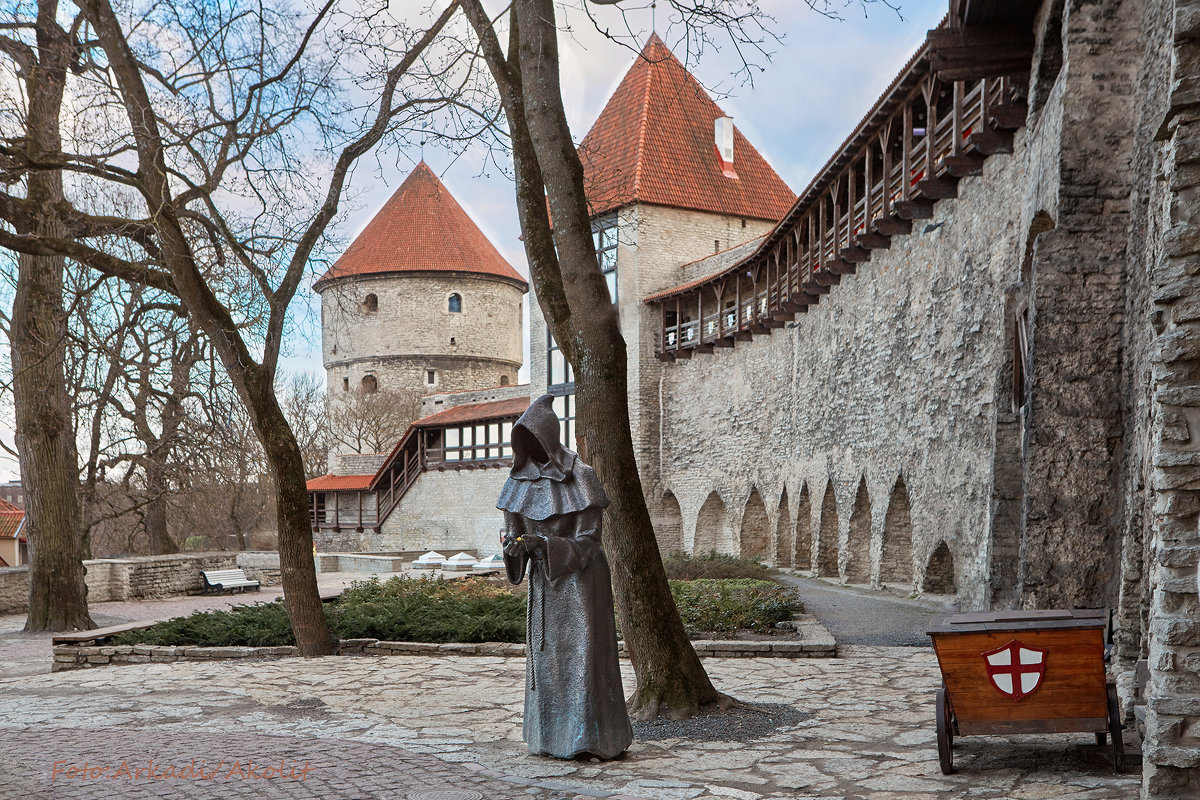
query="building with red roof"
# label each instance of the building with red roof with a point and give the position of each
(670, 181)
(13, 543)
(420, 302)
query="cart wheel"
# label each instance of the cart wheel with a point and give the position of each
(945, 737)
(1114, 729)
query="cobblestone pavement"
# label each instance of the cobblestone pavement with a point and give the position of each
(28, 653)
(395, 726)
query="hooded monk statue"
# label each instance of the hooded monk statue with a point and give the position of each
(553, 504)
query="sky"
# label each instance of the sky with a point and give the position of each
(821, 79)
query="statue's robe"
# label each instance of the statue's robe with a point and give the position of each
(574, 702)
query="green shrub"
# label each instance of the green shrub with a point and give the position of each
(725, 606)
(259, 625)
(683, 567)
(398, 610)
(415, 610)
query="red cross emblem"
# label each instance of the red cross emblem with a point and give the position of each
(1015, 669)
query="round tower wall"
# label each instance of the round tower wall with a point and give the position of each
(398, 328)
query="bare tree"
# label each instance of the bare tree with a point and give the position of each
(305, 405)
(575, 302)
(212, 99)
(44, 433)
(363, 421)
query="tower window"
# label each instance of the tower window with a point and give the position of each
(345, 384)
(431, 376)
(604, 235)
(370, 384)
(370, 304)
(504, 380)
(455, 304)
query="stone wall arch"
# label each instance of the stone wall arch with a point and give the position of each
(755, 536)
(712, 528)
(827, 535)
(784, 547)
(858, 543)
(896, 556)
(802, 553)
(939, 571)
(668, 525)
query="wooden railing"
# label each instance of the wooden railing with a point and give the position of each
(909, 152)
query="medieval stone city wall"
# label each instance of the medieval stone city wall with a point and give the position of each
(412, 330)
(1172, 745)
(796, 445)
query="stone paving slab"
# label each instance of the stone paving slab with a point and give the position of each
(867, 732)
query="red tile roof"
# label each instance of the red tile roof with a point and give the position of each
(653, 143)
(333, 483)
(421, 228)
(475, 412)
(12, 521)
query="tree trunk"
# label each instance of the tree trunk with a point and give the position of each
(669, 673)
(44, 432)
(155, 518)
(298, 571)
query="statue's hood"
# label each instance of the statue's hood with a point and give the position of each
(560, 485)
(541, 421)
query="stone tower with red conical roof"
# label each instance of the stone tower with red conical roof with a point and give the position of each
(421, 301)
(671, 185)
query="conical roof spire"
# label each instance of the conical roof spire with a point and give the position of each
(654, 143)
(421, 228)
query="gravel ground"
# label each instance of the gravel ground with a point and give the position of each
(864, 616)
(744, 722)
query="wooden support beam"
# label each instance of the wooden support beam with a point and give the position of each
(826, 278)
(893, 226)
(942, 188)
(914, 209)
(992, 142)
(816, 288)
(856, 255)
(842, 267)
(1008, 116)
(683, 353)
(874, 241)
(665, 357)
(724, 341)
(743, 336)
(964, 165)
(775, 322)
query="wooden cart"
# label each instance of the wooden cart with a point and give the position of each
(1024, 672)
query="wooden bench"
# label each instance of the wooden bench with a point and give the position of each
(97, 635)
(1024, 672)
(222, 579)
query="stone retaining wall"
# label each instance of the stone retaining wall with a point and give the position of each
(815, 642)
(111, 579)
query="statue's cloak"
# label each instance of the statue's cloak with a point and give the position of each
(574, 702)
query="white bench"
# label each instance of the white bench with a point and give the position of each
(222, 579)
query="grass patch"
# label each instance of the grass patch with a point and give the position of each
(726, 606)
(684, 567)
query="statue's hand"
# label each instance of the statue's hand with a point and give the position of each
(511, 545)
(533, 543)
